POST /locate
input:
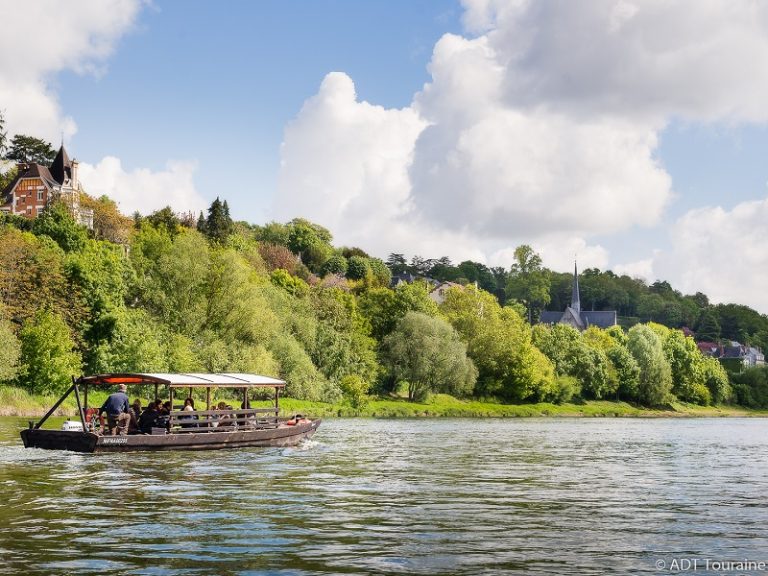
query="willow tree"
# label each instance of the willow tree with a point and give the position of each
(428, 354)
(655, 382)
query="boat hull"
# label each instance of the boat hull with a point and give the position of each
(93, 443)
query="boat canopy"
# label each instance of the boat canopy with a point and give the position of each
(230, 380)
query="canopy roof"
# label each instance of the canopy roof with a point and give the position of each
(233, 380)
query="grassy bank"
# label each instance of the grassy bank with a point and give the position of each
(17, 402)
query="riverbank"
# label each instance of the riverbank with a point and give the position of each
(17, 402)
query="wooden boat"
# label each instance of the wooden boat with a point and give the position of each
(186, 430)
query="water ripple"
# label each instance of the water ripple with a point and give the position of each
(397, 497)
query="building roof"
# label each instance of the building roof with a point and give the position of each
(61, 168)
(550, 317)
(599, 318)
(230, 380)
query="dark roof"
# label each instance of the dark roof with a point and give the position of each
(601, 318)
(548, 317)
(61, 168)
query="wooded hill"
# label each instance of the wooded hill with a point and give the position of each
(176, 293)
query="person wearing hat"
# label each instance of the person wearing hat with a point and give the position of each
(117, 408)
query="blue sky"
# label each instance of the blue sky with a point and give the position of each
(629, 134)
(218, 85)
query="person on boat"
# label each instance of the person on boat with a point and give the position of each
(117, 408)
(135, 413)
(148, 418)
(224, 419)
(189, 406)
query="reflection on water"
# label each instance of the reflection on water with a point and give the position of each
(398, 497)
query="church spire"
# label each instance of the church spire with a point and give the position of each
(575, 300)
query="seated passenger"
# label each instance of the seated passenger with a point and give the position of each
(189, 406)
(149, 417)
(135, 412)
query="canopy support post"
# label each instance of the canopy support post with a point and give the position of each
(208, 398)
(79, 405)
(156, 396)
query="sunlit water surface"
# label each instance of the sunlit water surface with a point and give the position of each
(548, 496)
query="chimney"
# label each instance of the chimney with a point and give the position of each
(73, 170)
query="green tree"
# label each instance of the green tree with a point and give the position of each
(499, 343)
(383, 307)
(528, 282)
(428, 354)
(56, 222)
(336, 264)
(355, 390)
(218, 225)
(30, 149)
(358, 268)
(136, 345)
(48, 356)
(708, 329)
(9, 352)
(655, 383)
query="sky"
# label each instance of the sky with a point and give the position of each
(630, 135)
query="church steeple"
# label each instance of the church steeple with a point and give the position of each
(575, 300)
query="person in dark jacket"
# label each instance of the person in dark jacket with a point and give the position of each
(117, 409)
(149, 417)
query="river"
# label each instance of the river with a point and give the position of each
(528, 496)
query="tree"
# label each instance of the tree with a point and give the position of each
(108, 223)
(528, 281)
(9, 352)
(355, 390)
(167, 218)
(218, 225)
(655, 382)
(48, 358)
(136, 345)
(30, 149)
(427, 353)
(336, 264)
(499, 343)
(396, 263)
(358, 268)
(56, 222)
(708, 329)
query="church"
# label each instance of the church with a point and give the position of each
(575, 316)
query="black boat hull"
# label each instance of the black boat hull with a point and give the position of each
(93, 443)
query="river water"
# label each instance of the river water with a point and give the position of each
(537, 496)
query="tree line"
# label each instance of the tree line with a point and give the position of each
(171, 292)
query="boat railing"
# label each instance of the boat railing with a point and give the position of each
(182, 421)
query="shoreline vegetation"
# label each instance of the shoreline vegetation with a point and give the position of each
(349, 333)
(17, 402)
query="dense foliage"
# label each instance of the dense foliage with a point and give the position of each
(170, 292)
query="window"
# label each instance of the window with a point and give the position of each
(39, 195)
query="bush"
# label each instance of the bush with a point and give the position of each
(355, 390)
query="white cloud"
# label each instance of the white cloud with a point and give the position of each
(44, 37)
(649, 58)
(642, 269)
(541, 129)
(143, 190)
(721, 253)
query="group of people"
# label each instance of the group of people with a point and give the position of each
(125, 418)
